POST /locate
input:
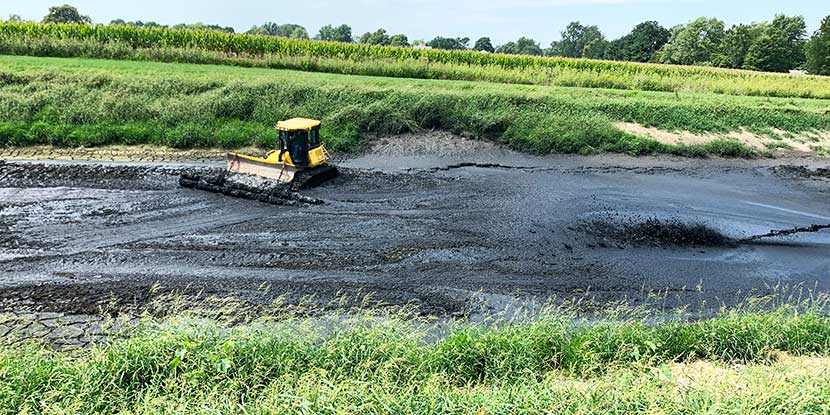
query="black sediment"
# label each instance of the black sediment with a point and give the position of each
(656, 232)
(272, 193)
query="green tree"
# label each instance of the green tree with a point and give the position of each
(595, 49)
(66, 14)
(641, 44)
(139, 23)
(484, 44)
(818, 50)
(768, 53)
(791, 31)
(378, 37)
(289, 30)
(693, 44)
(732, 51)
(399, 40)
(616, 50)
(299, 33)
(195, 26)
(780, 47)
(342, 33)
(574, 38)
(523, 46)
(14, 18)
(449, 43)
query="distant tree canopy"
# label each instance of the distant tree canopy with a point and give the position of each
(293, 31)
(66, 14)
(137, 23)
(484, 44)
(342, 33)
(180, 26)
(201, 26)
(640, 45)
(575, 38)
(768, 53)
(818, 50)
(380, 37)
(789, 36)
(693, 44)
(732, 51)
(399, 40)
(449, 43)
(14, 18)
(777, 46)
(523, 46)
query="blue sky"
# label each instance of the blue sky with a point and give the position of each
(502, 20)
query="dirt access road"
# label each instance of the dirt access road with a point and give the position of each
(407, 226)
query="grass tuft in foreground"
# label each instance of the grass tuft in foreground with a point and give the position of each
(381, 363)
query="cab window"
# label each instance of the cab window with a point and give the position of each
(314, 138)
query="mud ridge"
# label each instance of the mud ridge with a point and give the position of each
(246, 187)
(787, 232)
(803, 172)
(95, 176)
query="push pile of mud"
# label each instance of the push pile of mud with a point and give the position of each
(246, 187)
(657, 232)
(803, 172)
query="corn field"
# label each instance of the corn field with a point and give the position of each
(256, 45)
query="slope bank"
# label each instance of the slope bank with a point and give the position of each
(77, 102)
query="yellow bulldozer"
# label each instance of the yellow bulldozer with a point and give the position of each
(300, 158)
(300, 161)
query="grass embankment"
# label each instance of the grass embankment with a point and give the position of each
(77, 102)
(129, 43)
(382, 364)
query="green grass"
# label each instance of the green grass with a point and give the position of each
(128, 43)
(380, 363)
(84, 102)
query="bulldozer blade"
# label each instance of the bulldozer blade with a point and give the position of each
(313, 177)
(278, 172)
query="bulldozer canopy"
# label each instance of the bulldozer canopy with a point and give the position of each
(295, 124)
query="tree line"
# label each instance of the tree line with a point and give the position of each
(780, 45)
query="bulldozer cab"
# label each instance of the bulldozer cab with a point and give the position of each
(297, 138)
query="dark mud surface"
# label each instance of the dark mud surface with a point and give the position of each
(79, 238)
